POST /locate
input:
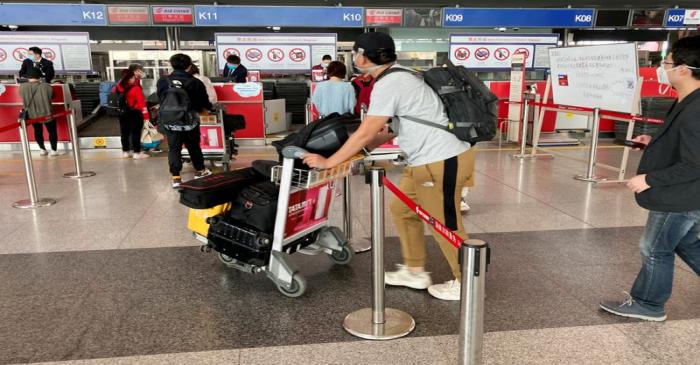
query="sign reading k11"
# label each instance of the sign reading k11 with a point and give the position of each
(554, 18)
(282, 16)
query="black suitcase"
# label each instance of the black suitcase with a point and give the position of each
(257, 206)
(217, 189)
(239, 241)
(324, 136)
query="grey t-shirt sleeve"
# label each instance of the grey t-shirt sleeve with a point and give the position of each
(383, 102)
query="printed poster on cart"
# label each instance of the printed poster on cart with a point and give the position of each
(69, 52)
(495, 51)
(291, 52)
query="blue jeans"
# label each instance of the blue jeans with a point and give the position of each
(666, 235)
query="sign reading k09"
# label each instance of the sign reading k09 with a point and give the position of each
(282, 16)
(481, 17)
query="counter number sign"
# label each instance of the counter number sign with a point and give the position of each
(482, 54)
(297, 55)
(253, 55)
(501, 54)
(462, 53)
(275, 55)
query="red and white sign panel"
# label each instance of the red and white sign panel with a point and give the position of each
(379, 17)
(308, 208)
(69, 52)
(692, 17)
(495, 51)
(183, 15)
(128, 15)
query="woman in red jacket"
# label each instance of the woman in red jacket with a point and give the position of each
(135, 114)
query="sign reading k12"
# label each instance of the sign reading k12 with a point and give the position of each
(282, 16)
(555, 18)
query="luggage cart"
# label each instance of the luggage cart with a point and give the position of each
(216, 146)
(301, 225)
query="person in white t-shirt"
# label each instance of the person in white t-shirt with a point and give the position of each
(211, 92)
(439, 164)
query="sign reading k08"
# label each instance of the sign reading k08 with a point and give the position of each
(482, 17)
(282, 16)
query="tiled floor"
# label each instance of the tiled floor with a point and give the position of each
(111, 275)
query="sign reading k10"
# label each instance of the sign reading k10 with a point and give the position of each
(282, 16)
(555, 18)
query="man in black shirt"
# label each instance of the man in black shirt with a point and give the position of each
(198, 102)
(234, 70)
(668, 185)
(36, 61)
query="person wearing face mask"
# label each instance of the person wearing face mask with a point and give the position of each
(668, 185)
(136, 114)
(234, 70)
(439, 164)
(323, 66)
(36, 61)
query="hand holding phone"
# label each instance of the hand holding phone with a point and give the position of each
(631, 144)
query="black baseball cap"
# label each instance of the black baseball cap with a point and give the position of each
(374, 42)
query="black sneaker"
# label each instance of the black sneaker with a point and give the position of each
(176, 182)
(201, 174)
(631, 309)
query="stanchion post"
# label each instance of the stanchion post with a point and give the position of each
(592, 156)
(33, 201)
(523, 132)
(75, 142)
(378, 322)
(358, 244)
(474, 261)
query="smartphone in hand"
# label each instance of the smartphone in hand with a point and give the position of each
(630, 144)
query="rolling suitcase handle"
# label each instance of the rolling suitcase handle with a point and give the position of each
(294, 152)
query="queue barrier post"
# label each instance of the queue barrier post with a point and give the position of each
(474, 257)
(595, 133)
(75, 142)
(33, 201)
(523, 132)
(358, 244)
(378, 322)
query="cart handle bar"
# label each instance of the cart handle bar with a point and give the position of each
(423, 214)
(29, 122)
(293, 152)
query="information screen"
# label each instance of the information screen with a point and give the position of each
(128, 15)
(612, 18)
(648, 18)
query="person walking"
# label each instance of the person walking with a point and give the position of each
(36, 98)
(179, 116)
(36, 61)
(133, 116)
(335, 95)
(234, 70)
(668, 185)
(439, 164)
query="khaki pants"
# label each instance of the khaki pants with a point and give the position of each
(437, 188)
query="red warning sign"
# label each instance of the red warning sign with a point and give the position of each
(3, 55)
(48, 53)
(523, 51)
(501, 54)
(275, 55)
(20, 54)
(462, 53)
(297, 55)
(482, 54)
(253, 55)
(231, 51)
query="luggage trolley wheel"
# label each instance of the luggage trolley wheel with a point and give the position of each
(298, 287)
(344, 256)
(227, 260)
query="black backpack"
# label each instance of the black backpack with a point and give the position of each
(175, 112)
(116, 103)
(471, 107)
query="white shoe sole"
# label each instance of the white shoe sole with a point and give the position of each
(637, 316)
(441, 296)
(412, 286)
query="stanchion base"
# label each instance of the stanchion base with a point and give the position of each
(74, 175)
(523, 157)
(593, 179)
(397, 324)
(360, 244)
(27, 204)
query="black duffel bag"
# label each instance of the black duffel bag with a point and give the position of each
(256, 205)
(324, 136)
(217, 189)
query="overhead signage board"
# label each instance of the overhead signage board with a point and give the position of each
(172, 15)
(422, 17)
(128, 15)
(495, 51)
(69, 52)
(692, 17)
(383, 17)
(612, 18)
(520, 18)
(276, 52)
(675, 18)
(53, 14)
(648, 18)
(281, 16)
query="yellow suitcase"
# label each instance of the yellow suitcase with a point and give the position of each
(197, 220)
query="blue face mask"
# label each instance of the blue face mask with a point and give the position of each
(232, 66)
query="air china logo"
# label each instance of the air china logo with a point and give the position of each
(182, 11)
(299, 207)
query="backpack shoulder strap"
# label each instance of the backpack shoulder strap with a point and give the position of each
(426, 123)
(392, 70)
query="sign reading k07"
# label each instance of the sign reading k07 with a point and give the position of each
(522, 18)
(282, 16)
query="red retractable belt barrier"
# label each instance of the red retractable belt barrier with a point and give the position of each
(603, 113)
(449, 235)
(29, 122)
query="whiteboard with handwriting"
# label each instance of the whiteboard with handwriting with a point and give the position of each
(602, 77)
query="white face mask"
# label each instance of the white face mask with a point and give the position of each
(662, 74)
(325, 64)
(364, 70)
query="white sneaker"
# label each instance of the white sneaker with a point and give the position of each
(140, 156)
(464, 207)
(200, 174)
(55, 153)
(126, 154)
(404, 277)
(450, 290)
(44, 153)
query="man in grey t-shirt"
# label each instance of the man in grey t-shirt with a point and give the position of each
(439, 163)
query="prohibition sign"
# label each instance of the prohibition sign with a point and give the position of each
(501, 54)
(3, 55)
(462, 53)
(20, 54)
(297, 55)
(275, 55)
(523, 51)
(231, 51)
(48, 53)
(253, 54)
(482, 54)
